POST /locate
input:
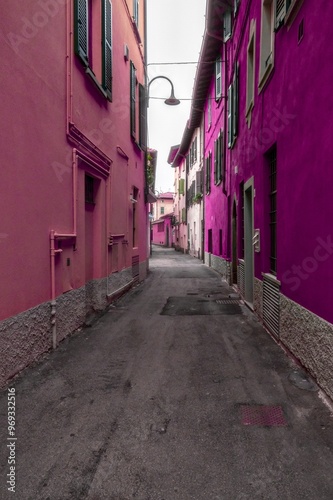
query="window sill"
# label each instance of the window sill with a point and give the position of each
(265, 77)
(92, 76)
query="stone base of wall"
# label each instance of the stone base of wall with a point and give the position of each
(220, 265)
(307, 336)
(257, 297)
(310, 339)
(28, 335)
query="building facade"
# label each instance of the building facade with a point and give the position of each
(73, 202)
(267, 105)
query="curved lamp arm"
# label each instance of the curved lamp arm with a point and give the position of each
(172, 100)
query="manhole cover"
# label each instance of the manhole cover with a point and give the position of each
(302, 380)
(192, 306)
(263, 416)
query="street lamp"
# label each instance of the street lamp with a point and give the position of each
(172, 100)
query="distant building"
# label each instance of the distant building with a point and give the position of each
(163, 205)
(162, 231)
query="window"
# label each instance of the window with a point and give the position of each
(162, 210)
(136, 12)
(95, 57)
(233, 108)
(218, 158)
(143, 117)
(208, 169)
(184, 215)
(209, 113)
(227, 25)
(273, 211)
(250, 72)
(133, 98)
(89, 189)
(193, 152)
(266, 41)
(218, 78)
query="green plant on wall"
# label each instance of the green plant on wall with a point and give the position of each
(197, 198)
(149, 171)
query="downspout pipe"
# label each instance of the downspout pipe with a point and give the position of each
(54, 251)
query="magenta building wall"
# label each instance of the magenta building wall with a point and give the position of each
(61, 257)
(292, 113)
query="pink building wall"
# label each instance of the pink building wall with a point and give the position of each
(57, 127)
(163, 232)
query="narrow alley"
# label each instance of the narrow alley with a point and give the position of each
(176, 392)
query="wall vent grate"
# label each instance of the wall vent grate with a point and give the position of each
(241, 277)
(271, 304)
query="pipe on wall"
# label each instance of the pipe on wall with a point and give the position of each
(54, 251)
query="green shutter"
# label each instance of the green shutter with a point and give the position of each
(81, 30)
(143, 116)
(107, 48)
(181, 187)
(222, 161)
(230, 128)
(235, 101)
(132, 98)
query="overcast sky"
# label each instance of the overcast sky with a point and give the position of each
(175, 31)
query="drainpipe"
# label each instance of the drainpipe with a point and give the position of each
(53, 251)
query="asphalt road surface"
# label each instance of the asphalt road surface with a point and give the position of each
(176, 393)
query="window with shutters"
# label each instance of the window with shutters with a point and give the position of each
(208, 172)
(133, 84)
(143, 117)
(218, 79)
(236, 5)
(227, 25)
(250, 73)
(93, 23)
(162, 210)
(136, 12)
(285, 11)
(233, 108)
(218, 158)
(181, 186)
(266, 41)
(209, 113)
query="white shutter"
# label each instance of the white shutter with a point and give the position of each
(280, 12)
(227, 25)
(218, 78)
(230, 130)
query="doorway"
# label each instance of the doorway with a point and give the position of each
(234, 244)
(248, 243)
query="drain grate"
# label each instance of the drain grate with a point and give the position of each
(227, 301)
(263, 416)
